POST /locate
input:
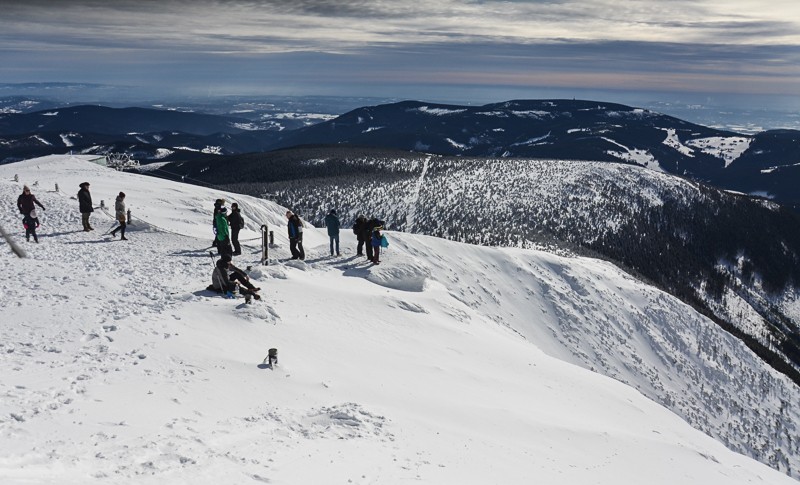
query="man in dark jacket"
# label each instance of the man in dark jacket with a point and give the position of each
(332, 223)
(370, 226)
(295, 226)
(362, 232)
(237, 223)
(85, 206)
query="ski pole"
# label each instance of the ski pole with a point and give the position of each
(211, 255)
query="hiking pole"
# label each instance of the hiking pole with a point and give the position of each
(108, 231)
(16, 249)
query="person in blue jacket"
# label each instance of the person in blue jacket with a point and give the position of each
(332, 223)
(295, 226)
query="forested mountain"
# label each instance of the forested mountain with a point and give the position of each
(733, 257)
(143, 133)
(767, 163)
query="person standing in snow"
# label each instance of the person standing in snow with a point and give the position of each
(332, 223)
(85, 206)
(223, 241)
(237, 223)
(369, 228)
(217, 206)
(25, 204)
(224, 282)
(295, 226)
(376, 243)
(359, 228)
(119, 212)
(26, 201)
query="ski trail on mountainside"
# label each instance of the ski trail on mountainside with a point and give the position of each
(412, 203)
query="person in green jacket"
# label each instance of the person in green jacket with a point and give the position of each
(223, 233)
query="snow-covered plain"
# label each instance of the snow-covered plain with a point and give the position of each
(438, 366)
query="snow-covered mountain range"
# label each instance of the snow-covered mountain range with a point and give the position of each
(765, 163)
(447, 363)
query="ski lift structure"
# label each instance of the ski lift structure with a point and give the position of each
(121, 161)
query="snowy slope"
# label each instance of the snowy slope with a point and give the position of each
(445, 364)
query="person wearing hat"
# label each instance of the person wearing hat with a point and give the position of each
(237, 223)
(221, 225)
(85, 206)
(119, 212)
(224, 282)
(25, 204)
(362, 233)
(332, 223)
(26, 201)
(295, 226)
(217, 206)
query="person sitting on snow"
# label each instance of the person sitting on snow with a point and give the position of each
(224, 282)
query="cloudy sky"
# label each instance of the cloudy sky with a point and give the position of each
(466, 50)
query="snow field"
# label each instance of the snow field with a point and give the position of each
(441, 365)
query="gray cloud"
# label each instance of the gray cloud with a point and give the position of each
(379, 45)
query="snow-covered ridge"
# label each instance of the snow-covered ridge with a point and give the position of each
(445, 364)
(439, 111)
(638, 156)
(727, 148)
(673, 141)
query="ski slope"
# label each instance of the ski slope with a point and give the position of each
(447, 363)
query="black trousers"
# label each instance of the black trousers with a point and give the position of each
(224, 247)
(235, 240)
(236, 277)
(296, 247)
(31, 231)
(121, 228)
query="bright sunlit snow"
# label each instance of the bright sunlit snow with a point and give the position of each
(445, 364)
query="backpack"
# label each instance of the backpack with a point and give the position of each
(384, 242)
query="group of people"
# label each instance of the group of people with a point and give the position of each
(226, 277)
(86, 208)
(368, 232)
(226, 228)
(26, 203)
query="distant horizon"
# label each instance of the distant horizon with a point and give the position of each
(718, 112)
(737, 54)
